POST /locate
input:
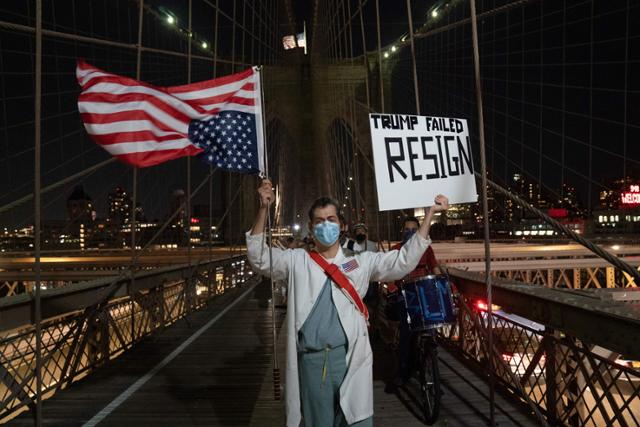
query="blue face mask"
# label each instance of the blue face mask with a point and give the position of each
(407, 235)
(327, 233)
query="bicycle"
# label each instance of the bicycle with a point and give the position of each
(428, 374)
(429, 305)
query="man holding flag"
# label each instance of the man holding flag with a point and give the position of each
(329, 378)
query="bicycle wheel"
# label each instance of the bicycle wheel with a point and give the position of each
(429, 381)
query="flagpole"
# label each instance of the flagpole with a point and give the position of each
(276, 369)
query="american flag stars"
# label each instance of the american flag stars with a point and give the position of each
(228, 140)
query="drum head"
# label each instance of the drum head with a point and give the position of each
(428, 278)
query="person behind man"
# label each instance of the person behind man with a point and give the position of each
(291, 242)
(426, 266)
(359, 242)
(329, 378)
(344, 234)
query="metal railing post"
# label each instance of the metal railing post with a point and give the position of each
(551, 376)
(37, 207)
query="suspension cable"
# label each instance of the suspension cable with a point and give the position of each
(485, 210)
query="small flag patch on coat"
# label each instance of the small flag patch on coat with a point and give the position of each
(350, 266)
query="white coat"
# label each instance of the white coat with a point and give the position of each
(306, 280)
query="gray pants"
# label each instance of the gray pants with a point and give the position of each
(321, 374)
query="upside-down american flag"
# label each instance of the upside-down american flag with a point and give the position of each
(218, 120)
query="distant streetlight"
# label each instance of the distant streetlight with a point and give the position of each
(393, 48)
(171, 20)
(434, 14)
(205, 45)
(386, 54)
(296, 227)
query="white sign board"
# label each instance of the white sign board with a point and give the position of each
(417, 157)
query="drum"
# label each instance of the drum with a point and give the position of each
(429, 302)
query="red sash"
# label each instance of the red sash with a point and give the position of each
(333, 271)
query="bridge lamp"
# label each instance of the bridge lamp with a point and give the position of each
(171, 20)
(434, 14)
(393, 48)
(204, 45)
(386, 54)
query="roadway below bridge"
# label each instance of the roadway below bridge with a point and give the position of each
(214, 368)
(87, 265)
(78, 266)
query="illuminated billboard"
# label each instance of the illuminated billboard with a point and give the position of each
(631, 197)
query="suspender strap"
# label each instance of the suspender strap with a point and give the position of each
(342, 281)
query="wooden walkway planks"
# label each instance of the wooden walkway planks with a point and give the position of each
(215, 381)
(224, 378)
(461, 405)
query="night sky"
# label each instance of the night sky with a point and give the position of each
(559, 78)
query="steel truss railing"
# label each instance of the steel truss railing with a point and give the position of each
(596, 277)
(566, 379)
(78, 341)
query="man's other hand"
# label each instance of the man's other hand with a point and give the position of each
(441, 204)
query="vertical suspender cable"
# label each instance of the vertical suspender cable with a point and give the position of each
(37, 207)
(134, 203)
(382, 107)
(215, 44)
(365, 58)
(215, 74)
(353, 129)
(485, 210)
(233, 39)
(413, 57)
(210, 219)
(342, 148)
(368, 98)
(188, 219)
(244, 30)
(229, 176)
(253, 32)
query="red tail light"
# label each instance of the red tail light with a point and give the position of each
(481, 305)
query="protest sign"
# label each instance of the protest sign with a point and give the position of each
(419, 157)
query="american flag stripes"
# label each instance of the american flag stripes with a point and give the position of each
(145, 125)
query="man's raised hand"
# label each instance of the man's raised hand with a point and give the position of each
(441, 204)
(265, 191)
